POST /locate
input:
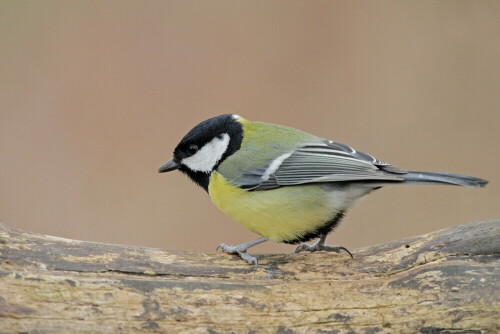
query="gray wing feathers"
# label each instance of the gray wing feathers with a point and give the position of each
(305, 167)
(328, 162)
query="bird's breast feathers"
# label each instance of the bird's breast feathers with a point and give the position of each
(280, 214)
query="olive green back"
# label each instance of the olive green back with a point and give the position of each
(262, 143)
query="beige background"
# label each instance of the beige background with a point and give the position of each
(95, 95)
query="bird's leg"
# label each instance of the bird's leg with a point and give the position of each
(241, 250)
(320, 246)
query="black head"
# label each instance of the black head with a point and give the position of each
(204, 147)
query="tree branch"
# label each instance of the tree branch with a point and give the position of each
(443, 281)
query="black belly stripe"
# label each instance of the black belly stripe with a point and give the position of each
(324, 229)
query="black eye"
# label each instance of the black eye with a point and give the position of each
(192, 149)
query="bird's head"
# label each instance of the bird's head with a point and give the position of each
(204, 147)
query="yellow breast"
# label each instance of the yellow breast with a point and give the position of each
(280, 214)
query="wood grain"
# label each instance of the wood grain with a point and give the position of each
(445, 281)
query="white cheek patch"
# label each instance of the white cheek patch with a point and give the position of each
(208, 156)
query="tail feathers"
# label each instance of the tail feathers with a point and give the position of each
(414, 177)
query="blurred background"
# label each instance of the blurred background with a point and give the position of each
(94, 96)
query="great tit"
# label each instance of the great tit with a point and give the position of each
(285, 184)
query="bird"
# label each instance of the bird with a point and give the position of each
(284, 184)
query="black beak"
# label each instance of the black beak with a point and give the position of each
(168, 166)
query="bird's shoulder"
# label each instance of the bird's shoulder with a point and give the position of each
(262, 142)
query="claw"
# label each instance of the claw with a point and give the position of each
(345, 249)
(256, 264)
(241, 250)
(319, 246)
(249, 258)
(301, 248)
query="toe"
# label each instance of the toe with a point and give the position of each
(250, 259)
(335, 249)
(301, 247)
(228, 248)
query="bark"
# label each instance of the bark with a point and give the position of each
(445, 281)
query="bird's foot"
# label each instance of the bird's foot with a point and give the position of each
(241, 251)
(318, 246)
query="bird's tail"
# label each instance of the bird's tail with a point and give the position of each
(414, 177)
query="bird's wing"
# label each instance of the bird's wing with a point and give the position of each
(318, 163)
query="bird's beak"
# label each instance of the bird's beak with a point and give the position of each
(168, 166)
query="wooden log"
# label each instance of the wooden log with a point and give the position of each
(445, 281)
